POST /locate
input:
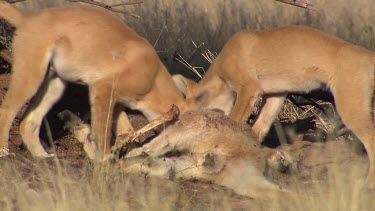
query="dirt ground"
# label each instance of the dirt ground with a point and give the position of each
(315, 159)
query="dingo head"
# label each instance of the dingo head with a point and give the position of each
(207, 94)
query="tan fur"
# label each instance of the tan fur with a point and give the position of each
(86, 45)
(214, 148)
(271, 63)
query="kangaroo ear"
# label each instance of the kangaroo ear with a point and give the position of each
(186, 86)
(214, 162)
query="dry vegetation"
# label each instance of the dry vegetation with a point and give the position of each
(173, 25)
(27, 184)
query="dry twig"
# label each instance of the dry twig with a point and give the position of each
(209, 56)
(197, 47)
(184, 62)
(297, 3)
(5, 54)
(111, 7)
(14, 1)
(161, 32)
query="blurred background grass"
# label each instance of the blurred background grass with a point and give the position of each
(172, 25)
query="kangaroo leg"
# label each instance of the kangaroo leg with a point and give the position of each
(82, 131)
(28, 72)
(353, 103)
(151, 166)
(173, 138)
(122, 122)
(187, 167)
(158, 146)
(267, 115)
(50, 92)
(255, 185)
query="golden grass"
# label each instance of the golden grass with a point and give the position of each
(56, 186)
(172, 25)
(213, 22)
(37, 185)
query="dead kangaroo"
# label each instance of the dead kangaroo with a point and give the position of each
(86, 45)
(271, 63)
(211, 147)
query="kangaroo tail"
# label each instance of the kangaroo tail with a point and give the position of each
(11, 14)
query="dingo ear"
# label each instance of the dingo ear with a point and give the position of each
(202, 97)
(186, 86)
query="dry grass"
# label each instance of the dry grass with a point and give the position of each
(172, 25)
(213, 22)
(32, 185)
(58, 186)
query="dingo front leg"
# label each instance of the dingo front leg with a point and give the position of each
(102, 104)
(246, 98)
(356, 113)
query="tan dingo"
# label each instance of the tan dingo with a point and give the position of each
(84, 45)
(274, 62)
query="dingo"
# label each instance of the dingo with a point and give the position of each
(84, 45)
(289, 59)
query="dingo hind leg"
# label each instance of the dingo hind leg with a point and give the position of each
(50, 92)
(353, 103)
(29, 68)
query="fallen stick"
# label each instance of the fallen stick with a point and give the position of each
(297, 3)
(14, 1)
(111, 7)
(131, 136)
(5, 54)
